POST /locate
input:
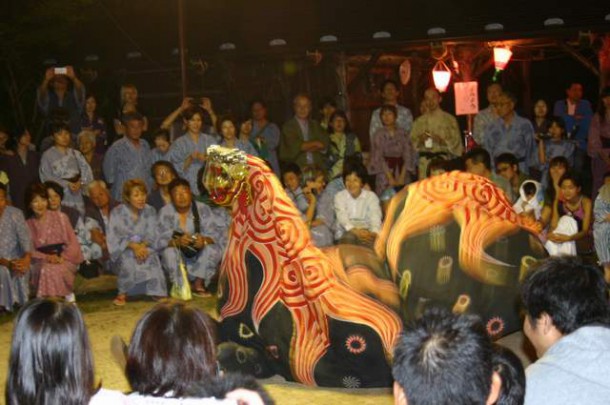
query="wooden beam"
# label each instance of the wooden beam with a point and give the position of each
(576, 55)
(603, 55)
(364, 70)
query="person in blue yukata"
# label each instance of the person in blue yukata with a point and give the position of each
(193, 232)
(129, 157)
(511, 133)
(15, 254)
(188, 153)
(132, 245)
(577, 114)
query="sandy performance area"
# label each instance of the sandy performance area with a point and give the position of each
(105, 320)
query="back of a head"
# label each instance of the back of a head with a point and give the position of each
(443, 358)
(571, 293)
(50, 361)
(479, 155)
(172, 347)
(511, 372)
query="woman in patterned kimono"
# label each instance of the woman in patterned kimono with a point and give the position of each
(15, 254)
(202, 230)
(601, 226)
(66, 166)
(132, 244)
(56, 253)
(189, 152)
(391, 153)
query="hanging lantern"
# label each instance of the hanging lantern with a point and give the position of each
(441, 76)
(501, 58)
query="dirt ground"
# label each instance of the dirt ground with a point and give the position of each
(105, 320)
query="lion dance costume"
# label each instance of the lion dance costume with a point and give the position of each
(331, 317)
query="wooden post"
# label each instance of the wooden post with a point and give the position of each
(182, 47)
(604, 62)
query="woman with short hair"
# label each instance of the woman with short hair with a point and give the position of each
(132, 244)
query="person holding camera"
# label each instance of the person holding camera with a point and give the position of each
(192, 232)
(60, 88)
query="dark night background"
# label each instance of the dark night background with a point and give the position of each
(67, 31)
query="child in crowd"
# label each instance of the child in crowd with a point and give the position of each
(358, 211)
(392, 157)
(314, 182)
(162, 144)
(343, 143)
(531, 199)
(291, 176)
(556, 145)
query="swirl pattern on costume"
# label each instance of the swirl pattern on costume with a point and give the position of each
(297, 275)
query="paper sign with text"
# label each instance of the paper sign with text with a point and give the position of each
(466, 98)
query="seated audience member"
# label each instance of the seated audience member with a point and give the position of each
(357, 210)
(15, 255)
(392, 155)
(478, 161)
(172, 352)
(86, 146)
(327, 108)
(162, 142)
(132, 244)
(227, 127)
(326, 202)
(163, 173)
(555, 145)
(507, 166)
(511, 372)
(443, 358)
(50, 359)
(90, 120)
(343, 143)
(57, 253)
(314, 181)
(81, 225)
(601, 226)
(22, 167)
(531, 200)
(571, 219)
(97, 217)
(291, 177)
(67, 167)
(194, 233)
(567, 321)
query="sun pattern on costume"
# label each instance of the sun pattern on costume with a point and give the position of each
(355, 344)
(297, 274)
(495, 326)
(480, 208)
(351, 382)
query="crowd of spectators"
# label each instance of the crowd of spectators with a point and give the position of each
(94, 198)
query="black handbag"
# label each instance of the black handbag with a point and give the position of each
(90, 269)
(189, 251)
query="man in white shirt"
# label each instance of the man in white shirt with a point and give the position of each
(357, 210)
